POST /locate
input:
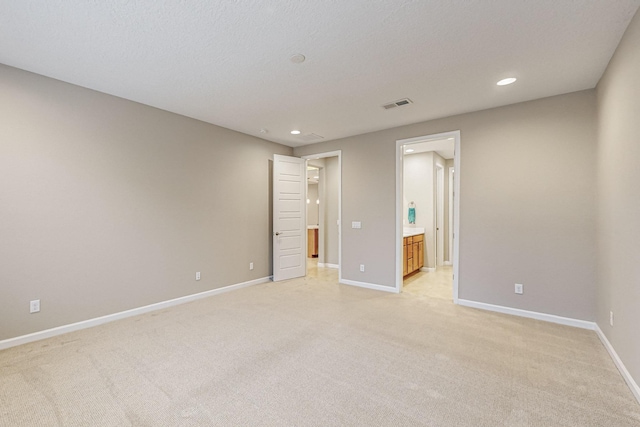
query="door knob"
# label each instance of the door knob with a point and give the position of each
(277, 233)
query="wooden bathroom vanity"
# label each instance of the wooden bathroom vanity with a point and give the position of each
(413, 259)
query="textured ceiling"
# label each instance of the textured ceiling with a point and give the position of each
(227, 62)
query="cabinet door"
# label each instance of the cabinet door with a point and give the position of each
(309, 243)
(415, 256)
(315, 243)
(404, 259)
(420, 254)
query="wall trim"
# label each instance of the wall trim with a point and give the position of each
(327, 265)
(84, 324)
(428, 269)
(635, 389)
(370, 286)
(568, 321)
(447, 263)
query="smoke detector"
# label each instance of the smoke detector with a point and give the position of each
(298, 58)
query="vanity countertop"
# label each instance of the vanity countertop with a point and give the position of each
(412, 231)
(312, 227)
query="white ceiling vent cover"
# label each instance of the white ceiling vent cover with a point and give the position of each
(311, 137)
(398, 103)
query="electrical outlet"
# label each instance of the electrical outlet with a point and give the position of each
(250, 266)
(611, 318)
(34, 306)
(362, 268)
(519, 288)
(197, 275)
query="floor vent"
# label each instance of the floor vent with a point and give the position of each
(398, 103)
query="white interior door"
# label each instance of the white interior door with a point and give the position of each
(289, 217)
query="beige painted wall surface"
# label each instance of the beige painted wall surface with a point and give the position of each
(108, 205)
(418, 187)
(313, 208)
(527, 203)
(619, 199)
(331, 199)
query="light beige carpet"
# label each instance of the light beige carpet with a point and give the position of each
(310, 352)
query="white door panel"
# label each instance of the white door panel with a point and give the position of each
(289, 217)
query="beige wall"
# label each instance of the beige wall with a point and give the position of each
(108, 205)
(312, 207)
(418, 187)
(619, 199)
(331, 203)
(527, 203)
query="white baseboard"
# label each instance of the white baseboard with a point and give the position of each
(327, 265)
(428, 269)
(530, 314)
(618, 362)
(447, 263)
(635, 389)
(48, 333)
(369, 285)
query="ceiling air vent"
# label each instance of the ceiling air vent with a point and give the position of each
(399, 103)
(310, 137)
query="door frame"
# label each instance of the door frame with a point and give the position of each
(456, 208)
(439, 216)
(338, 154)
(450, 192)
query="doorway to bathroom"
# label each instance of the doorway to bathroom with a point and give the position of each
(323, 214)
(427, 213)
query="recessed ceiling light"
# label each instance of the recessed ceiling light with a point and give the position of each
(409, 150)
(295, 132)
(449, 139)
(506, 81)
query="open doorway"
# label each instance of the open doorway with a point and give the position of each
(313, 210)
(324, 176)
(424, 219)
